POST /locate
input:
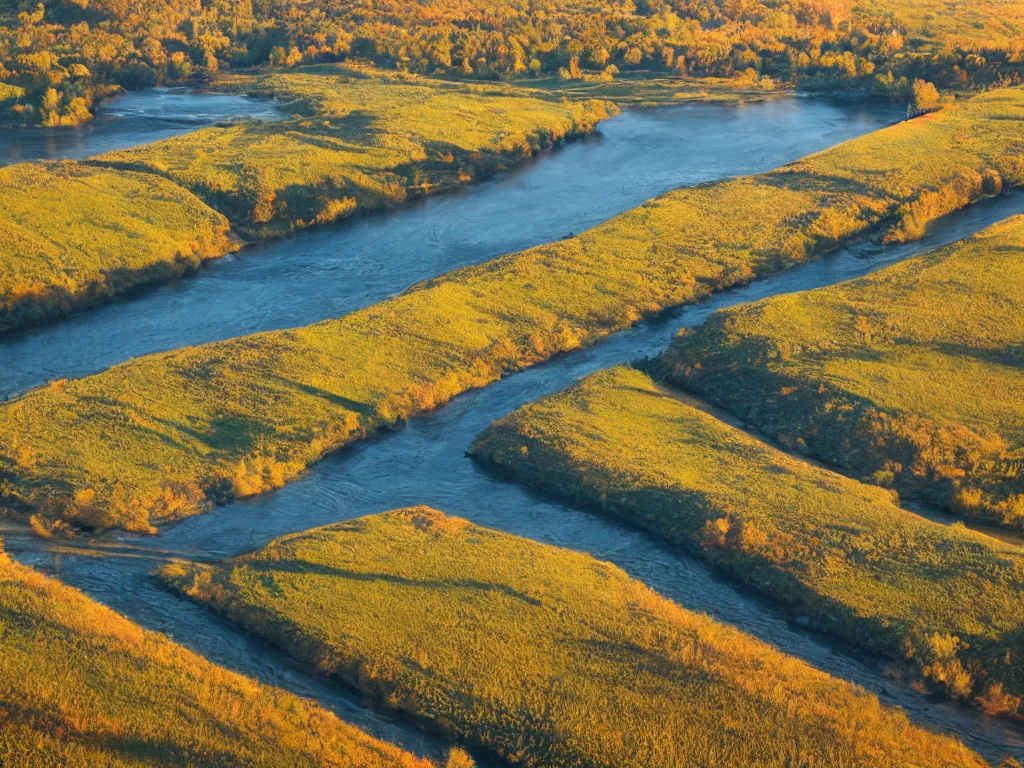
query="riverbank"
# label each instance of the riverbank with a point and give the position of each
(359, 140)
(330, 271)
(424, 463)
(910, 378)
(243, 416)
(81, 686)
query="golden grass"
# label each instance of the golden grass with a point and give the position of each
(912, 377)
(166, 435)
(74, 236)
(544, 655)
(82, 687)
(361, 140)
(844, 554)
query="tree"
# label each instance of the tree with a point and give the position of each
(925, 97)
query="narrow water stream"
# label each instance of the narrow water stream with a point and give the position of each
(333, 271)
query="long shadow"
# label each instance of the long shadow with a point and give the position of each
(363, 409)
(796, 178)
(318, 569)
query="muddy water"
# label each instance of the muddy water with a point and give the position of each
(333, 271)
(129, 120)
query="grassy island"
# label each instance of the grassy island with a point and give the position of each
(911, 378)
(360, 140)
(75, 235)
(546, 656)
(79, 234)
(840, 553)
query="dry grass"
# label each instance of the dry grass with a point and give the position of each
(912, 377)
(544, 655)
(74, 236)
(82, 687)
(844, 554)
(360, 140)
(168, 434)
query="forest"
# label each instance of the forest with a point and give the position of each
(58, 58)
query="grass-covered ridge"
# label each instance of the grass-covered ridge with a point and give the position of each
(545, 655)
(361, 140)
(912, 377)
(82, 687)
(166, 435)
(74, 235)
(844, 554)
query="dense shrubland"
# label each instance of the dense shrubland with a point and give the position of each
(843, 554)
(544, 655)
(168, 435)
(65, 53)
(912, 378)
(82, 687)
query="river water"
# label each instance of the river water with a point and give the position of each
(332, 271)
(139, 117)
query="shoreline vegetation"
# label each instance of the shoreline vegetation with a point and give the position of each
(543, 655)
(82, 687)
(75, 236)
(168, 435)
(942, 601)
(910, 378)
(78, 234)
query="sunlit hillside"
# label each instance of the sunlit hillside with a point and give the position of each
(703, 319)
(840, 553)
(169, 435)
(910, 378)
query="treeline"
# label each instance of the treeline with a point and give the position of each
(57, 57)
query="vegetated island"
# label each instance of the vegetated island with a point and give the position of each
(843, 555)
(167, 435)
(543, 655)
(77, 234)
(82, 687)
(911, 378)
